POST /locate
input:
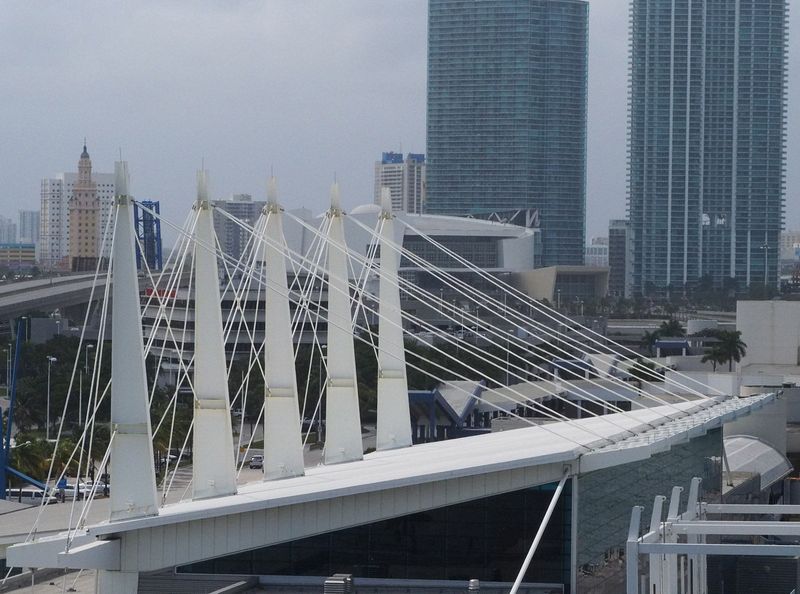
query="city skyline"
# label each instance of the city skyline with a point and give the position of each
(328, 117)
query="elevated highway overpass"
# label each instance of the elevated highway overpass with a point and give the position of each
(48, 294)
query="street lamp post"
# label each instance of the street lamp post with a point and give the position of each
(8, 368)
(765, 247)
(88, 377)
(50, 361)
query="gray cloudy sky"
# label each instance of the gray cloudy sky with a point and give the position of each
(310, 88)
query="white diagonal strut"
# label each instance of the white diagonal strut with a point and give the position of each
(283, 443)
(134, 492)
(214, 470)
(394, 419)
(343, 421)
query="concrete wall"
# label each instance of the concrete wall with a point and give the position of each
(689, 363)
(727, 383)
(771, 330)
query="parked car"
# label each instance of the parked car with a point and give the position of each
(257, 461)
(28, 495)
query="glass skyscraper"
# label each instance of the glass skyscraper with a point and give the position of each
(507, 87)
(707, 142)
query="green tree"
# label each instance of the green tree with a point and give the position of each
(671, 328)
(713, 355)
(730, 347)
(643, 371)
(649, 341)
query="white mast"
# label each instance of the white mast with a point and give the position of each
(394, 418)
(134, 492)
(343, 420)
(283, 444)
(214, 470)
(133, 475)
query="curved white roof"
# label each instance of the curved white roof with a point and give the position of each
(366, 209)
(750, 454)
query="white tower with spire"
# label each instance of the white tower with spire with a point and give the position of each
(283, 445)
(342, 416)
(394, 418)
(134, 492)
(214, 470)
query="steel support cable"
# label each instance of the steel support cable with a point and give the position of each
(549, 311)
(166, 318)
(413, 291)
(362, 279)
(80, 444)
(516, 402)
(244, 285)
(173, 403)
(491, 404)
(243, 293)
(173, 285)
(172, 406)
(540, 326)
(539, 533)
(522, 403)
(318, 251)
(161, 310)
(302, 258)
(455, 283)
(544, 410)
(45, 501)
(498, 365)
(519, 403)
(467, 347)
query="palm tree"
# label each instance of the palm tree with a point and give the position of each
(671, 327)
(649, 340)
(643, 371)
(714, 355)
(730, 347)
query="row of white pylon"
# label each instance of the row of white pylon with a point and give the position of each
(214, 470)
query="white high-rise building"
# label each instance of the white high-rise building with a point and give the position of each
(405, 179)
(56, 193)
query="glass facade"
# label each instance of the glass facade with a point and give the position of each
(485, 539)
(507, 88)
(607, 496)
(707, 141)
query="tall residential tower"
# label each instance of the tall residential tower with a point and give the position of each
(405, 178)
(707, 142)
(507, 89)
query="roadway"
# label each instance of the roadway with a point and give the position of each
(47, 294)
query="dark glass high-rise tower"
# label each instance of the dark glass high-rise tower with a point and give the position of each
(707, 142)
(507, 87)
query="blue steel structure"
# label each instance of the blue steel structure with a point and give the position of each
(5, 435)
(148, 231)
(506, 119)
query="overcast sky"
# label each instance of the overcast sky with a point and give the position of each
(307, 88)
